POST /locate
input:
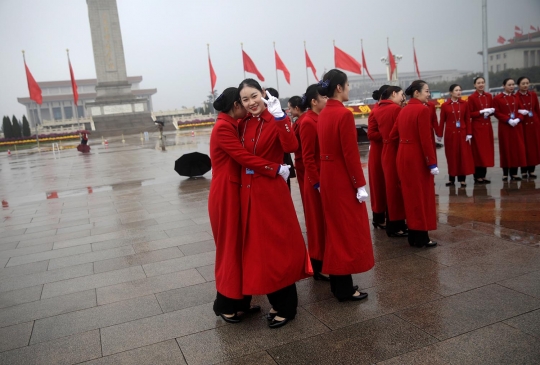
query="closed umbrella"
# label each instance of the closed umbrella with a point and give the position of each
(193, 164)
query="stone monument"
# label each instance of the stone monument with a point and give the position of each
(115, 110)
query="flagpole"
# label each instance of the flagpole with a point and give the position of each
(414, 52)
(363, 73)
(244, 66)
(485, 43)
(277, 81)
(211, 86)
(307, 77)
(334, 42)
(76, 108)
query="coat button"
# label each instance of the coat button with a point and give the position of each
(253, 140)
(248, 186)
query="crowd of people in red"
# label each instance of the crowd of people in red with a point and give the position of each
(260, 249)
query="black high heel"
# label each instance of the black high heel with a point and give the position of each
(276, 324)
(397, 234)
(515, 178)
(378, 225)
(233, 319)
(450, 183)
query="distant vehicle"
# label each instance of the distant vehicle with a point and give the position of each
(353, 103)
(435, 94)
(369, 101)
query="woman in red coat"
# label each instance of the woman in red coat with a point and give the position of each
(456, 118)
(511, 141)
(385, 117)
(375, 171)
(530, 112)
(481, 107)
(297, 111)
(348, 247)
(274, 254)
(312, 161)
(416, 164)
(227, 155)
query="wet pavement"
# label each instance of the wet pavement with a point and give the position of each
(108, 258)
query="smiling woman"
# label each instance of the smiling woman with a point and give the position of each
(273, 257)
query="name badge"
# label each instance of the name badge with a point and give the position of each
(530, 113)
(249, 171)
(458, 124)
(512, 115)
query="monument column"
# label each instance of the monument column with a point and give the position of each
(116, 110)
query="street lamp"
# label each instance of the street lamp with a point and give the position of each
(397, 59)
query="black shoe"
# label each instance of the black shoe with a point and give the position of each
(378, 225)
(463, 185)
(451, 183)
(270, 316)
(532, 176)
(486, 181)
(397, 234)
(524, 176)
(233, 319)
(318, 276)
(355, 298)
(505, 178)
(515, 178)
(276, 324)
(250, 310)
(428, 245)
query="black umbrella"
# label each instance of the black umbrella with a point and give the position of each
(193, 164)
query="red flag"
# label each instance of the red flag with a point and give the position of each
(249, 66)
(392, 62)
(33, 87)
(533, 28)
(516, 34)
(309, 64)
(281, 66)
(416, 64)
(365, 64)
(516, 28)
(510, 41)
(213, 76)
(73, 84)
(346, 62)
(501, 40)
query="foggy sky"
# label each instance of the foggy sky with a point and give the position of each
(165, 40)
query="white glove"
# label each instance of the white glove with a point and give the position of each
(361, 194)
(487, 114)
(439, 139)
(514, 122)
(486, 110)
(434, 171)
(492, 110)
(284, 171)
(468, 138)
(523, 111)
(274, 106)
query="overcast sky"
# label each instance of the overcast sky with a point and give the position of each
(165, 40)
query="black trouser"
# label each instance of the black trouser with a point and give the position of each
(460, 178)
(226, 305)
(480, 172)
(396, 226)
(284, 301)
(379, 218)
(341, 286)
(528, 169)
(316, 265)
(419, 238)
(513, 171)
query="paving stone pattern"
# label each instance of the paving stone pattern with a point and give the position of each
(108, 258)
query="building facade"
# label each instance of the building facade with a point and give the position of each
(523, 52)
(58, 107)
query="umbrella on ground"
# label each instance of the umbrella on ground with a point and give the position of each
(193, 164)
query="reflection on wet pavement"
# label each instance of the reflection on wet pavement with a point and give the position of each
(111, 255)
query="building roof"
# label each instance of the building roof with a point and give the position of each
(80, 82)
(83, 96)
(531, 40)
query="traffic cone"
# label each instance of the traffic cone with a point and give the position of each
(106, 143)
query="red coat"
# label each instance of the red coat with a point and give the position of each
(298, 162)
(482, 144)
(434, 124)
(457, 150)
(531, 126)
(348, 247)
(312, 198)
(414, 159)
(511, 140)
(227, 153)
(274, 252)
(377, 190)
(385, 116)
